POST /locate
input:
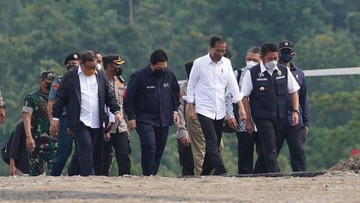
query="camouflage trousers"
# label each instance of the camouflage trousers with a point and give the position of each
(38, 158)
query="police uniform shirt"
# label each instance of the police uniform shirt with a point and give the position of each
(247, 85)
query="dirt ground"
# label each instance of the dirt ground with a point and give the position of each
(341, 183)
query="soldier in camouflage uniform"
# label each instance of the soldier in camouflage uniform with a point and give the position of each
(40, 144)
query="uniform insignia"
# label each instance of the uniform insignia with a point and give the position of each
(279, 72)
(261, 75)
(56, 86)
(262, 89)
(297, 77)
(286, 43)
(75, 56)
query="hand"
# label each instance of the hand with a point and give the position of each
(69, 132)
(2, 115)
(107, 137)
(190, 110)
(185, 141)
(306, 130)
(54, 128)
(249, 126)
(232, 123)
(12, 167)
(176, 118)
(131, 124)
(295, 119)
(118, 117)
(30, 144)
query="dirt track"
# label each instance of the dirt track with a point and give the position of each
(331, 187)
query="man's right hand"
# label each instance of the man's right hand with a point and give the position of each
(249, 126)
(2, 115)
(131, 124)
(30, 144)
(54, 128)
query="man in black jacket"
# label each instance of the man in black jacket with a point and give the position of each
(85, 92)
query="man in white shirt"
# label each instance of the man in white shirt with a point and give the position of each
(210, 77)
(266, 88)
(85, 92)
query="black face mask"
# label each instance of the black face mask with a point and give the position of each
(119, 71)
(68, 67)
(48, 85)
(159, 72)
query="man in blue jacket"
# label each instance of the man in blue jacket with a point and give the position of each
(151, 104)
(85, 92)
(294, 135)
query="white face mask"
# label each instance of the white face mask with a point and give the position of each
(250, 64)
(99, 66)
(271, 65)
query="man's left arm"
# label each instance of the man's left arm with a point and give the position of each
(110, 100)
(293, 87)
(175, 94)
(2, 110)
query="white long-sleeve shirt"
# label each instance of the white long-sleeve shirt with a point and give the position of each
(207, 85)
(89, 113)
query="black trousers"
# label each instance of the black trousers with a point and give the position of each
(86, 139)
(295, 138)
(246, 144)
(186, 159)
(121, 144)
(268, 131)
(212, 130)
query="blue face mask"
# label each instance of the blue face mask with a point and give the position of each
(286, 57)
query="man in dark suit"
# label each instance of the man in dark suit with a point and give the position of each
(85, 92)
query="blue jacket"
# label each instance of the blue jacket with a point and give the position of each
(302, 92)
(69, 95)
(152, 99)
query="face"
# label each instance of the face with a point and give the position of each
(271, 56)
(89, 67)
(99, 58)
(73, 63)
(46, 84)
(218, 50)
(253, 57)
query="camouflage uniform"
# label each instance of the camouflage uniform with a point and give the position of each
(45, 145)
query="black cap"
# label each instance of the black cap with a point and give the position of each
(113, 58)
(286, 44)
(47, 74)
(72, 56)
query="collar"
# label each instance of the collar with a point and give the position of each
(209, 61)
(80, 71)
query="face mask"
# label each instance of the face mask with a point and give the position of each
(285, 57)
(119, 71)
(99, 66)
(159, 72)
(217, 56)
(89, 72)
(250, 64)
(271, 65)
(68, 67)
(48, 85)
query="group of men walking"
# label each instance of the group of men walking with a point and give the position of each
(90, 107)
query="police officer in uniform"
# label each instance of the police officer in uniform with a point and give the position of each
(294, 135)
(65, 140)
(266, 88)
(39, 143)
(151, 104)
(118, 136)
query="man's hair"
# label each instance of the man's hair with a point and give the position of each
(158, 55)
(188, 67)
(88, 55)
(216, 38)
(268, 47)
(254, 49)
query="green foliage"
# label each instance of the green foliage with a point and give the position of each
(37, 35)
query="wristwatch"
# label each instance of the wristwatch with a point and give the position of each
(297, 111)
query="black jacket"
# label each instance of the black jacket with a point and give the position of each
(69, 95)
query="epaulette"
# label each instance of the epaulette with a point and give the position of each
(121, 79)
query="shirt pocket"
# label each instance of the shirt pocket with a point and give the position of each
(281, 85)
